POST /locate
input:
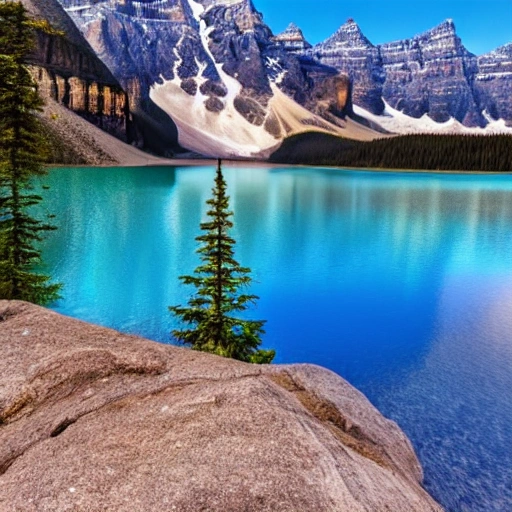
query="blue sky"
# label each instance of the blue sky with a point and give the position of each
(483, 25)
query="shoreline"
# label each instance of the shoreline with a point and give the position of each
(412, 171)
(155, 161)
(101, 149)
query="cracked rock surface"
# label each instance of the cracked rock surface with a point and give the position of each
(94, 420)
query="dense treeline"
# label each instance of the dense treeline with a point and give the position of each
(436, 152)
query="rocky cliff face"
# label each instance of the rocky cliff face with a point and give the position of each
(91, 419)
(68, 71)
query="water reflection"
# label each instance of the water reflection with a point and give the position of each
(398, 282)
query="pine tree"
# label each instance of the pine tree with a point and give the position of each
(210, 324)
(21, 155)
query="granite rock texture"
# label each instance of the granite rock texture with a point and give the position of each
(94, 420)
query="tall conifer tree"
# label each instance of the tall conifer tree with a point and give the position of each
(21, 155)
(211, 326)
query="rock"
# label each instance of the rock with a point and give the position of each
(250, 109)
(237, 39)
(91, 419)
(189, 85)
(213, 104)
(332, 98)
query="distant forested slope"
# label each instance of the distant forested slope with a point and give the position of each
(436, 152)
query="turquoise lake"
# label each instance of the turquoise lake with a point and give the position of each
(399, 282)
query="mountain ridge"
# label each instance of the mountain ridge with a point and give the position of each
(222, 69)
(430, 73)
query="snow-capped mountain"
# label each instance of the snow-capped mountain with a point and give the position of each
(212, 72)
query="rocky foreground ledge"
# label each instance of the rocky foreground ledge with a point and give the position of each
(94, 420)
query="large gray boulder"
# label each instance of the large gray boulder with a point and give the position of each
(94, 420)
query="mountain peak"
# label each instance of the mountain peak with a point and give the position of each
(505, 50)
(351, 21)
(292, 39)
(292, 28)
(447, 27)
(349, 35)
(350, 26)
(448, 23)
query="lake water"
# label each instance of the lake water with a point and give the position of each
(401, 283)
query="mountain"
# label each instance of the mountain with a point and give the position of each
(493, 83)
(211, 76)
(432, 74)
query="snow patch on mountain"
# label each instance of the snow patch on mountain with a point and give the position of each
(228, 134)
(275, 69)
(197, 9)
(225, 134)
(396, 121)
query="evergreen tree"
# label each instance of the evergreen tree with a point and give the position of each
(210, 324)
(22, 151)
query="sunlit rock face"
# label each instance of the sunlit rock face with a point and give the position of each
(67, 70)
(91, 416)
(331, 98)
(136, 41)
